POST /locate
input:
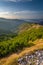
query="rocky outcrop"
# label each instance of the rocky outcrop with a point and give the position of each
(35, 58)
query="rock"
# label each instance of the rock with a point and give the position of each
(33, 59)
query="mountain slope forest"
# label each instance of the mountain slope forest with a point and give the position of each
(16, 43)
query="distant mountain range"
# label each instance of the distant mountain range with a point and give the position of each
(11, 25)
(38, 21)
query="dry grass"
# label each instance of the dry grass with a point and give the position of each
(12, 59)
(25, 27)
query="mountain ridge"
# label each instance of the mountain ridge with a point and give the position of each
(12, 25)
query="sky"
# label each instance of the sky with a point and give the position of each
(21, 9)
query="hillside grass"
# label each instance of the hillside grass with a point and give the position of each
(12, 59)
(27, 41)
(21, 41)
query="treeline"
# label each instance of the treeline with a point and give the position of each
(20, 41)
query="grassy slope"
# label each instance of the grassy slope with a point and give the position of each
(12, 59)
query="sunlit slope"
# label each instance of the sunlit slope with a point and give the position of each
(22, 40)
(12, 59)
(28, 40)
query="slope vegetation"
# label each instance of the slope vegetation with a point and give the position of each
(29, 39)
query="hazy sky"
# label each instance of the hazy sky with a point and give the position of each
(21, 9)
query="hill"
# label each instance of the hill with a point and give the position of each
(29, 39)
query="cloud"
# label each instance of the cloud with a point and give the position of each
(17, 12)
(16, 0)
(4, 13)
(23, 14)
